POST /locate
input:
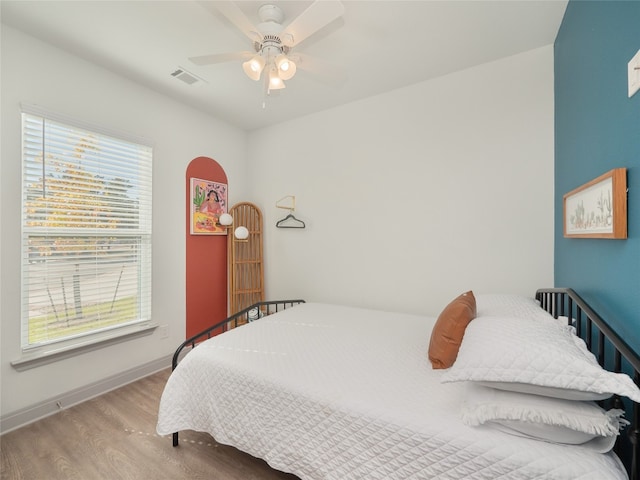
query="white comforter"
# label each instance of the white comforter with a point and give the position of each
(329, 392)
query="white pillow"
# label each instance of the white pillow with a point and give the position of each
(565, 393)
(508, 305)
(514, 351)
(543, 418)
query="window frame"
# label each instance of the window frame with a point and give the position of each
(55, 349)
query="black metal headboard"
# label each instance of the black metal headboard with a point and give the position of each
(612, 353)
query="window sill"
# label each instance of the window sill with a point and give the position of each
(54, 353)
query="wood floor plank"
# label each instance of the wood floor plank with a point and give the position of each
(112, 437)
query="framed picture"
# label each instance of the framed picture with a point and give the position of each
(208, 202)
(598, 209)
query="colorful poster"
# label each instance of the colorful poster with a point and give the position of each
(208, 202)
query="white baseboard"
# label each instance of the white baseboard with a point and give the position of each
(45, 408)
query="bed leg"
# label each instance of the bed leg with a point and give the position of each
(634, 437)
(175, 439)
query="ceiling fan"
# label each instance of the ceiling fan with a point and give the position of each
(272, 41)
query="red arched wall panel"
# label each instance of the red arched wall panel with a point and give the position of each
(206, 262)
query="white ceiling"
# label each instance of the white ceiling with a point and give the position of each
(378, 45)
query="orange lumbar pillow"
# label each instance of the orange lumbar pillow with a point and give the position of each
(448, 331)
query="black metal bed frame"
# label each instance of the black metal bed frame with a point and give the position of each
(561, 302)
(244, 316)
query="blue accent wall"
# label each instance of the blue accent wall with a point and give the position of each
(597, 128)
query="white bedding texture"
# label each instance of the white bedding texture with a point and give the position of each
(336, 393)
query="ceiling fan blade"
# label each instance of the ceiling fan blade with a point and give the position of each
(319, 14)
(236, 16)
(220, 58)
(322, 70)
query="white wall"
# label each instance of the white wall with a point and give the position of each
(409, 197)
(33, 72)
(415, 195)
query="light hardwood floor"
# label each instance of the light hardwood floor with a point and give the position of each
(113, 437)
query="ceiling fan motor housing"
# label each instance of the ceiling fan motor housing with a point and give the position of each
(271, 46)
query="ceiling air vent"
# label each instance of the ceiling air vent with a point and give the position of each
(187, 77)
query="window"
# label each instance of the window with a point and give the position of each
(86, 234)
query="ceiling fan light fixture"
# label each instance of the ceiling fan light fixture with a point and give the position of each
(275, 82)
(253, 67)
(286, 67)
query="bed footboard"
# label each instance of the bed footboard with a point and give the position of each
(612, 352)
(249, 314)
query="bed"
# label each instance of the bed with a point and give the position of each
(332, 392)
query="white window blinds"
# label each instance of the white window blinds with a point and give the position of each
(86, 232)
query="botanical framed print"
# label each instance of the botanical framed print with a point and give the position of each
(598, 209)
